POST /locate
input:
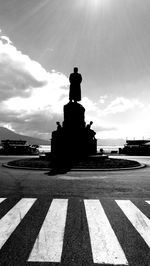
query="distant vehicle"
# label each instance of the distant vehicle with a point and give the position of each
(136, 147)
(18, 147)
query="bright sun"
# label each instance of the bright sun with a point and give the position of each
(96, 4)
(93, 5)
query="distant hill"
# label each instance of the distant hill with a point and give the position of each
(8, 134)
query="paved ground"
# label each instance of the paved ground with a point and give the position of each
(99, 218)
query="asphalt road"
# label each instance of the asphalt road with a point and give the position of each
(79, 218)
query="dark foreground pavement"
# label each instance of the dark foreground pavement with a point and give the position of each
(99, 218)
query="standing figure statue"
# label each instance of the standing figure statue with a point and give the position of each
(75, 88)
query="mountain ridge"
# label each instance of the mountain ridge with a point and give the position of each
(6, 133)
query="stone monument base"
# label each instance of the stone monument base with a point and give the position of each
(73, 139)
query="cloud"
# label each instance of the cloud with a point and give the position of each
(37, 124)
(89, 105)
(115, 118)
(102, 99)
(118, 105)
(19, 74)
(5, 39)
(31, 98)
(121, 104)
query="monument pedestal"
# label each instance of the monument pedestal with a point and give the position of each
(73, 116)
(73, 139)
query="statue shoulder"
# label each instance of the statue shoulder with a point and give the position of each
(71, 76)
(80, 76)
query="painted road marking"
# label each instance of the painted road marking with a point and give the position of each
(137, 218)
(48, 246)
(12, 219)
(105, 245)
(2, 199)
(148, 201)
(49, 243)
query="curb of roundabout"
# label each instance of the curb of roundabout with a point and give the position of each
(77, 169)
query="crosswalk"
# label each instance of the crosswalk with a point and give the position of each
(49, 243)
(74, 231)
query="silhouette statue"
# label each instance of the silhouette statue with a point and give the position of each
(75, 88)
(59, 127)
(88, 127)
(73, 140)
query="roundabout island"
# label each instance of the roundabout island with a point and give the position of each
(91, 163)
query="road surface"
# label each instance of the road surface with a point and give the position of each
(79, 218)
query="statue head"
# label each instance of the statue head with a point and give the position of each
(75, 70)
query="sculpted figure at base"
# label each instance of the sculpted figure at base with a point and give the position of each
(75, 88)
(59, 127)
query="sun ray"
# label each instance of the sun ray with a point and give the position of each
(94, 4)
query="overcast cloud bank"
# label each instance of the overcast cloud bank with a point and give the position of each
(32, 99)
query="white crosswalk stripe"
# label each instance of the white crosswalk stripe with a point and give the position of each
(12, 219)
(148, 201)
(103, 241)
(105, 246)
(49, 243)
(2, 199)
(137, 218)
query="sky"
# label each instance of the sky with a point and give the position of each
(41, 41)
